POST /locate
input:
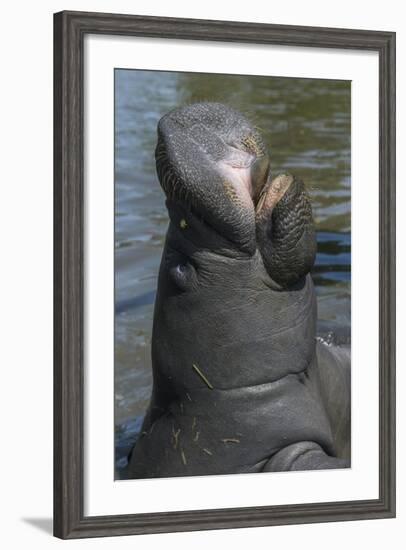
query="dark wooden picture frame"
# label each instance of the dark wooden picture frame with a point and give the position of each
(69, 31)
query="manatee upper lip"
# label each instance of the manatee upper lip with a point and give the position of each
(212, 160)
(237, 159)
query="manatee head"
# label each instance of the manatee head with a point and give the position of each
(214, 169)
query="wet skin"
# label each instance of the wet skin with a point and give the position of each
(239, 382)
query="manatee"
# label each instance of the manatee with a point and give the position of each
(240, 382)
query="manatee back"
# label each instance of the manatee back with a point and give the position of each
(334, 365)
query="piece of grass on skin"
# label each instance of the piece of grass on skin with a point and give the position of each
(175, 435)
(202, 376)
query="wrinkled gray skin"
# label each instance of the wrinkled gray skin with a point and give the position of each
(239, 382)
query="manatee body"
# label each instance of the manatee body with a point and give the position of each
(240, 383)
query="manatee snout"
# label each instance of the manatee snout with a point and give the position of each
(212, 160)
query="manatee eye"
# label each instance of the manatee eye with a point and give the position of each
(183, 275)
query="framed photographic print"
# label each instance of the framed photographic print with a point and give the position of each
(224, 274)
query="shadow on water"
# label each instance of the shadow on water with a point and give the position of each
(306, 126)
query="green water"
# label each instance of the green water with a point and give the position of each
(306, 125)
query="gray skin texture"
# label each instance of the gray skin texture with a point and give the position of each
(240, 383)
